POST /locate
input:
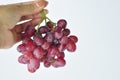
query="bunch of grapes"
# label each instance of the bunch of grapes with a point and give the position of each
(46, 45)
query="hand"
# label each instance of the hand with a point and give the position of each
(11, 14)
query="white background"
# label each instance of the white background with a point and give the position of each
(97, 25)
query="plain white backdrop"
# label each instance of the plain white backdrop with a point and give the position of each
(97, 25)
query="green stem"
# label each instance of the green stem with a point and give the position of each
(45, 18)
(49, 19)
(45, 21)
(43, 14)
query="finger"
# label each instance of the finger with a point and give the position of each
(32, 7)
(32, 16)
(21, 27)
(36, 15)
(17, 36)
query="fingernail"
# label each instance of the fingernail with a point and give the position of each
(41, 3)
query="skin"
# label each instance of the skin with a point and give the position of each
(11, 14)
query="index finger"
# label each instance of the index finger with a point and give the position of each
(32, 7)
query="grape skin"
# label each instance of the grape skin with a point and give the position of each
(59, 62)
(23, 60)
(38, 52)
(66, 32)
(62, 23)
(73, 38)
(38, 40)
(71, 46)
(33, 65)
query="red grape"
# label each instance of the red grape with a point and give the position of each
(71, 46)
(61, 55)
(33, 65)
(50, 24)
(64, 40)
(58, 32)
(62, 23)
(30, 30)
(66, 32)
(46, 45)
(47, 64)
(26, 40)
(49, 37)
(38, 52)
(59, 62)
(44, 29)
(38, 40)
(52, 51)
(62, 47)
(23, 60)
(28, 55)
(21, 48)
(30, 46)
(73, 38)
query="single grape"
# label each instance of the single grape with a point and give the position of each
(71, 46)
(38, 53)
(73, 38)
(50, 24)
(26, 40)
(33, 65)
(66, 32)
(30, 31)
(30, 46)
(59, 62)
(21, 48)
(38, 40)
(46, 45)
(44, 29)
(28, 55)
(47, 64)
(58, 33)
(62, 23)
(23, 60)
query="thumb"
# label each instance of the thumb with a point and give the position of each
(32, 7)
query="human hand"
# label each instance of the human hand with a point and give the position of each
(11, 14)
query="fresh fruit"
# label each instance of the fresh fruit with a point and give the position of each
(46, 44)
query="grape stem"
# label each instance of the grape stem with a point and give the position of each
(45, 18)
